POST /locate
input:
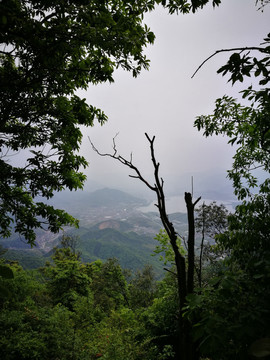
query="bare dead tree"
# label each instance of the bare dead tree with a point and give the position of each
(184, 267)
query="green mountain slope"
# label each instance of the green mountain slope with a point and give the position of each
(132, 250)
(111, 225)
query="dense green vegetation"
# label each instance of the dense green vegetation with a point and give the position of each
(73, 310)
(131, 249)
(69, 309)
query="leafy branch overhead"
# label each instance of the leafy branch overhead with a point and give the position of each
(248, 126)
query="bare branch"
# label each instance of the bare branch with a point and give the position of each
(170, 271)
(196, 202)
(263, 4)
(254, 167)
(241, 49)
(125, 162)
(114, 144)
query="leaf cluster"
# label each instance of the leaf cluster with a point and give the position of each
(248, 129)
(228, 316)
(164, 249)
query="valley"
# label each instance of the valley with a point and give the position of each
(111, 225)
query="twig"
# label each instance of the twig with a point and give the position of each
(170, 271)
(124, 162)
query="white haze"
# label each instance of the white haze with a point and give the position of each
(165, 101)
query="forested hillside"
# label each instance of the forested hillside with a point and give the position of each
(111, 226)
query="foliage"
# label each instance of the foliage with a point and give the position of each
(248, 236)
(5, 273)
(161, 319)
(66, 280)
(71, 242)
(229, 314)
(78, 311)
(165, 250)
(142, 288)
(245, 126)
(248, 128)
(211, 219)
(32, 333)
(108, 285)
(232, 311)
(117, 337)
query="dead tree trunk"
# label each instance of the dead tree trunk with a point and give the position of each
(192, 351)
(191, 241)
(184, 269)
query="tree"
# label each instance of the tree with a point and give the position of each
(232, 313)
(65, 278)
(263, 3)
(108, 285)
(71, 242)
(184, 265)
(164, 249)
(210, 221)
(142, 288)
(5, 273)
(49, 50)
(34, 325)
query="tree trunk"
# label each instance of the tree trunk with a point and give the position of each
(191, 243)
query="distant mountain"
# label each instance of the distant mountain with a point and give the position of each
(110, 197)
(111, 225)
(100, 198)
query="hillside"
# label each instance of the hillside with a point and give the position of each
(111, 225)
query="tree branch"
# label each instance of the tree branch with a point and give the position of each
(170, 271)
(229, 50)
(125, 162)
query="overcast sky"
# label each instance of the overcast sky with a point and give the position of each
(165, 101)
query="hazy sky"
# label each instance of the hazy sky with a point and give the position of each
(165, 101)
